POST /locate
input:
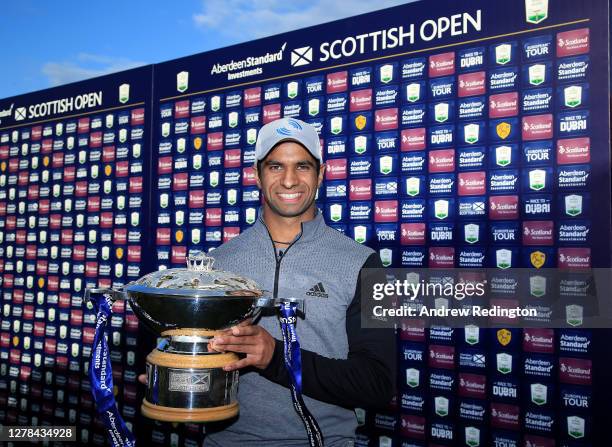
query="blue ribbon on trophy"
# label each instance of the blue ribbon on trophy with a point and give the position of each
(293, 363)
(101, 377)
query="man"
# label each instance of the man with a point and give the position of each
(291, 252)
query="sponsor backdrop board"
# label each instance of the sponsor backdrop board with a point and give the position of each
(469, 135)
(74, 165)
(475, 134)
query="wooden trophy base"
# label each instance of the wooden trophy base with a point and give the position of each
(169, 414)
(191, 331)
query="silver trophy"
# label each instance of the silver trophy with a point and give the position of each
(187, 307)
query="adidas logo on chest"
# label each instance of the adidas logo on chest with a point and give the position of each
(317, 290)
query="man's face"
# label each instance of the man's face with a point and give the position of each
(289, 179)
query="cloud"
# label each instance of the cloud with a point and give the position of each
(248, 19)
(86, 65)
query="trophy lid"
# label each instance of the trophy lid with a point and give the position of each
(198, 279)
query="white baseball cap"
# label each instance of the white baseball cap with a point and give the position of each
(287, 129)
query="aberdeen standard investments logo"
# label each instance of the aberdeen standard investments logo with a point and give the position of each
(7, 112)
(249, 66)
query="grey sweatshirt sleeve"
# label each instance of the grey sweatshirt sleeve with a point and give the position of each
(365, 379)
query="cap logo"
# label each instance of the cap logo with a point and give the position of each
(289, 132)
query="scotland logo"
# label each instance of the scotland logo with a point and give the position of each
(20, 113)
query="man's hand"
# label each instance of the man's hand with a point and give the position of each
(254, 341)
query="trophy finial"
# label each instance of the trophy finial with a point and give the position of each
(199, 261)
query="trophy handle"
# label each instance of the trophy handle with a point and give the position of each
(301, 303)
(269, 302)
(115, 294)
(265, 301)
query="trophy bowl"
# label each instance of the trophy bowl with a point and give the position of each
(187, 307)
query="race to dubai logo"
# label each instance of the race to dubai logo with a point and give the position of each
(182, 81)
(536, 11)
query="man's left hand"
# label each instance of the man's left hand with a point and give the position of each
(254, 341)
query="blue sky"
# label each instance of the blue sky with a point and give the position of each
(48, 43)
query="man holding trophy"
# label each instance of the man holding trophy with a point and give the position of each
(330, 364)
(292, 252)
